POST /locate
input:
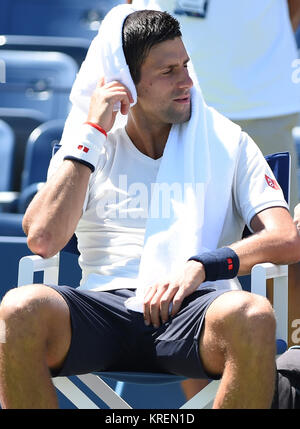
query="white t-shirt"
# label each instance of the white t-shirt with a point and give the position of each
(112, 227)
(244, 54)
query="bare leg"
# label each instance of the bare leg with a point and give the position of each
(35, 336)
(239, 342)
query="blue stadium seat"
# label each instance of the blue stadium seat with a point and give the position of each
(38, 153)
(7, 147)
(68, 18)
(37, 157)
(75, 47)
(38, 80)
(22, 122)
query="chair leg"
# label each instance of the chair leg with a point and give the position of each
(205, 398)
(281, 307)
(105, 392)
(73, 393)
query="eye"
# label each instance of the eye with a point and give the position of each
(167, 71)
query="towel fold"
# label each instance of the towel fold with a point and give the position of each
(191, 224)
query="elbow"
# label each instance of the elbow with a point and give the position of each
(41, 243)
(40, 239)
(294, 245)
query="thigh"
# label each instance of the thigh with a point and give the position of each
(105, 334)
(177, 341)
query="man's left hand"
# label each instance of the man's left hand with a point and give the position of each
(159, 296)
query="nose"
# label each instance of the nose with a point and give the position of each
(185, 79)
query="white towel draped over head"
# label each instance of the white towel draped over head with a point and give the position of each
(182, 221)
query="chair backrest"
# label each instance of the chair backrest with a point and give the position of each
(22, 122)
(75, 47)
(38, 152)
(280, 163)
(38, 80)
(71, 18)
(7, 147)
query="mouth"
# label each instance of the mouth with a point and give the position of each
(185, 99)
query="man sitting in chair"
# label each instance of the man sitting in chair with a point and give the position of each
(158, 206)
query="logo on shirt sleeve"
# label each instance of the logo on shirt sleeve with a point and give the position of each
(84, 148)
(272, 183)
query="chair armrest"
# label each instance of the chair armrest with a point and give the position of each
(28, 265)
(260, 273)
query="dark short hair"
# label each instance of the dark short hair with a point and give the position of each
(142, 30)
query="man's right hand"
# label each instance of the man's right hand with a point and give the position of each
(103, 100)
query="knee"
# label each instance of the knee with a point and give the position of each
(22, 313)
(246, 319)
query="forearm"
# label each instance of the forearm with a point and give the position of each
(277, 244)
(53, 214)
(294, 11)
(257, 249)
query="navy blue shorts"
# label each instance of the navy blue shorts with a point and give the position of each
(106, 336)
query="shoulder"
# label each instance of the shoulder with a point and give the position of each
(248, 149)
(116, 135)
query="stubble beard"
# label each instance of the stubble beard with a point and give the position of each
(180, 117)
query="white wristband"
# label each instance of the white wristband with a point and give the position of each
(87, 147)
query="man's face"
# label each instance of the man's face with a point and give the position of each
(164, 87)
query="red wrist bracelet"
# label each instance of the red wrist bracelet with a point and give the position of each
(92, 124)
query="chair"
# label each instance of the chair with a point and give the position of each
(71, 18)
(40, 81)
(260, 273)
(37, 156)
(22, 122)
(38, 153)
(75, 47)
(39, 149)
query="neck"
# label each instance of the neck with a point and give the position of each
(148, 138)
